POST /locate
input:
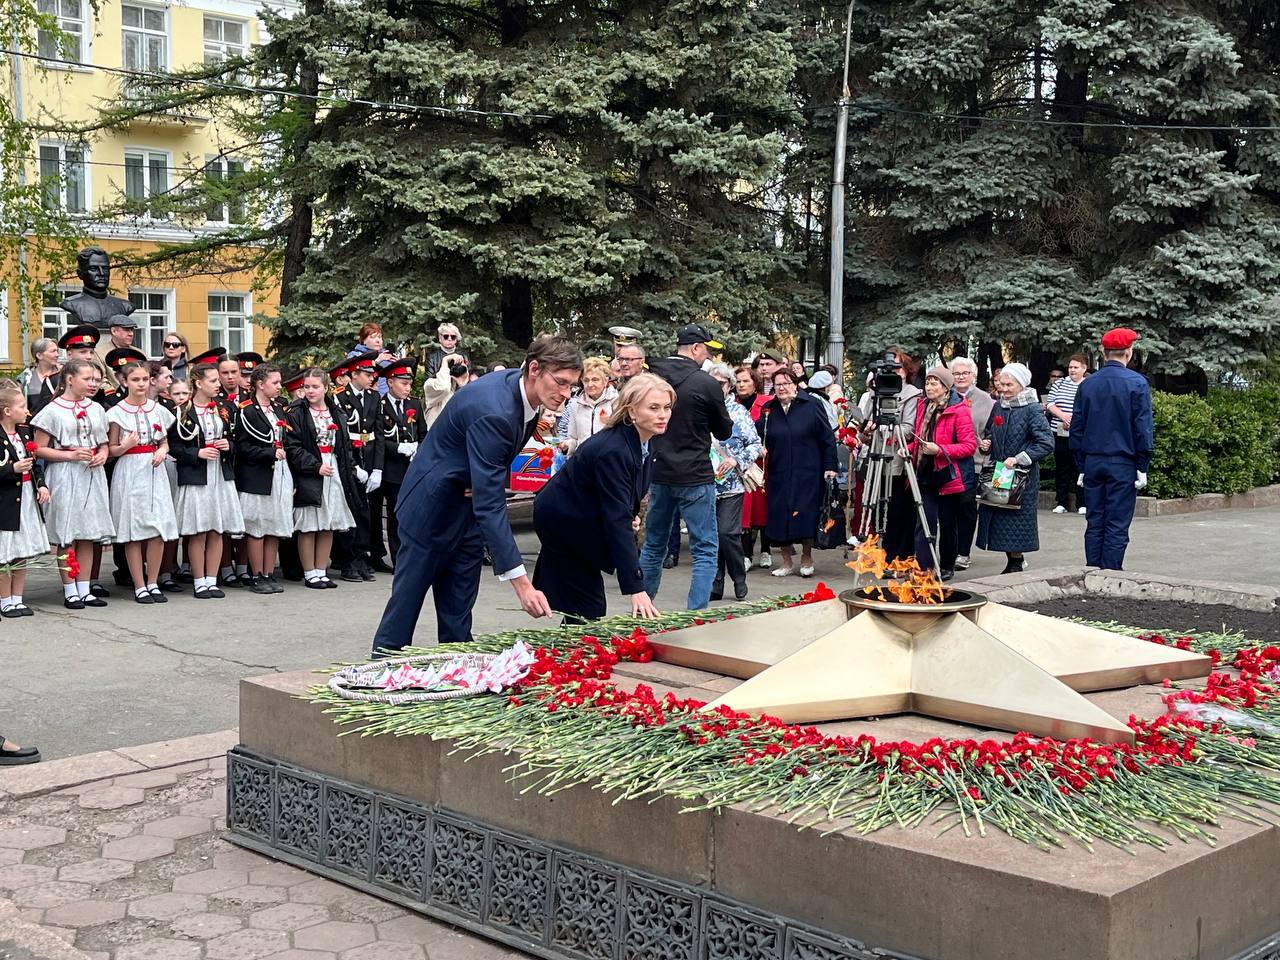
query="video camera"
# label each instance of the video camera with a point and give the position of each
(457, 369)
(886, 384)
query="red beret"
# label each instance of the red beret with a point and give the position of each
(1121, 338)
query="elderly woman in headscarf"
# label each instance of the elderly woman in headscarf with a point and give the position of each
(1017, 435)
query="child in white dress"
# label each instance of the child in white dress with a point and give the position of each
(141, 501)
(22, 493)
(71, 437)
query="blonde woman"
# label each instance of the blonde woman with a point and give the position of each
(589, 411)
(586, 515)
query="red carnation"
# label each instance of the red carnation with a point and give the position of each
(73, 567)
(80, 414)
(998, 421)
(332, 426)
(279, 423)
(410, 414)
(546, 456)
(31, 446)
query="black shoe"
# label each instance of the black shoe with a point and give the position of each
(214, 592)
(258, 585)
(717, 590)
(169, 585)
(157, 595)
(13, 758)
(73, 603)
(1015, 566)
(382, 566)
(947, 575)
(668, 562)
(316, 584)
(24, 610)
(366, 572)
(202, 593)
(273, 583)
(328, 584)
(352, 575)
(13, 612)
(740, 590)
(92, 601)
(233, 581)
(98, 590)
(144, 597)
(186, 576)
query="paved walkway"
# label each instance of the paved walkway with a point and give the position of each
(133, 867)
(124, 674)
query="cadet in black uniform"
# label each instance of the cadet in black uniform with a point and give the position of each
(360, 405)
(400, 432)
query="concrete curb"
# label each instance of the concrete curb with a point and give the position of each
(1148, 507)
(38, 778)
(1037, 586)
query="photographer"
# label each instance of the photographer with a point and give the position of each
(453, 375)
(890, 390)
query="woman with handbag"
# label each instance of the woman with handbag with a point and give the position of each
(734, 459)
(942, 454)
(1020, 439)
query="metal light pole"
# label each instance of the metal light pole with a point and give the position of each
(835, 329)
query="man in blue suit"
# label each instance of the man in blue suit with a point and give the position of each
(453, 499)
(1112, 437)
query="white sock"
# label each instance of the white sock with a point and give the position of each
(153, 588)
(7, 602)
(141, 592)
(17, 599)
(210, 582)
(69, 590)
(83, 587)
(313, 574)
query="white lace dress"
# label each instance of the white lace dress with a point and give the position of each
(80, 504)
(270, 514)
(216, 505)
(333, 512)
(141, 498)
(30, 538)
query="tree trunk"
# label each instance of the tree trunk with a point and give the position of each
(517, 310)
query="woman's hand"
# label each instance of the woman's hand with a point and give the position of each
(727, 464)
(99, 457)
(24, 465)
(42, 496)
(208, 453)
(157, 458)
(929, 448)
(279, 453)
(1011, 462)
(984, 446)
(84, 454)
(130, 439)
(326, 470)
(642, 606)
(635, 523)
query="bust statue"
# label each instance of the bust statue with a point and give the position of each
(94, 304)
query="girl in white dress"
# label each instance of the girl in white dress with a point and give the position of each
(71, 437)
(22, 493)
(262, 476)
(141, 501)
(208, 505)
(319, 451)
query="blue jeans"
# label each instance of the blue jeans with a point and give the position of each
(697, 505)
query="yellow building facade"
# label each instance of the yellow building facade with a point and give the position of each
(150, 157)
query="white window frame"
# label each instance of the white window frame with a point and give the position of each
(221, 164)
(148, 188)
(225, 315)
(72, 25)
(59, 317)
(62, 146)
(141, 339)
(222, 49)
(145, 32)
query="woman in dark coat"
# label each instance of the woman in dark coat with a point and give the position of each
(585, 516)
(1019, 435)
(800, 455)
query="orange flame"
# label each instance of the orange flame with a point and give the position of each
(917, 586)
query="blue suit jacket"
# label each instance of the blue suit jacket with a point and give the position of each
(1112, 416)
(470, 446)
(588, 506)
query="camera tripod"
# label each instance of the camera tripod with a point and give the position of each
(877, 487)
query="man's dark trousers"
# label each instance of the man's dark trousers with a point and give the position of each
(1109, 498)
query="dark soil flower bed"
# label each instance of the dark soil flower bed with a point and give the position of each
(1167, 616)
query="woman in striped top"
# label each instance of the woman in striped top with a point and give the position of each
(1059, 405)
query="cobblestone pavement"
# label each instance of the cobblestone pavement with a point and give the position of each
(135, 868)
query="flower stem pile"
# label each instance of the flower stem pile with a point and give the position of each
(1214, 753)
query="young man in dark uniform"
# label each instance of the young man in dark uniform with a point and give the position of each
(361, 406)
(399, 433)
(1112, 437)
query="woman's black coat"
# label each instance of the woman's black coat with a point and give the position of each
(11, 482)
(186, 440)
(588, 506)
(799, 446)
(255, 458)
(302, 447)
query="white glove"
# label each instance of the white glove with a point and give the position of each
(406, 449)
(1080, 480)
(375, 481)
(361, 475)
(1141, 482)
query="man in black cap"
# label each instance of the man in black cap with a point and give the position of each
(123, 329)
(683, 479)
(80, 343)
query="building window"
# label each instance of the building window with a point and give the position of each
(145, 37)
(62, 176)
(229, 322)
(232, 211)
(153, 320)
(223, 39)
(146, 177)
(69, 16)
(54, 321)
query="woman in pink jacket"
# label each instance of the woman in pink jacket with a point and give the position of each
(942, 453)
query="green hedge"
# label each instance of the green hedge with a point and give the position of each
(1227, 442)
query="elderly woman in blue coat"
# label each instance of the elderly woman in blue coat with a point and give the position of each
(586, 515)
(1018, 435)
(800, 455)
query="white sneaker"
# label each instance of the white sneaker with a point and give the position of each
(783, 572)
(1082, 511)
(853, 541)
(747, 564)
(962, 563)
(1059, 509)
(766, 561)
